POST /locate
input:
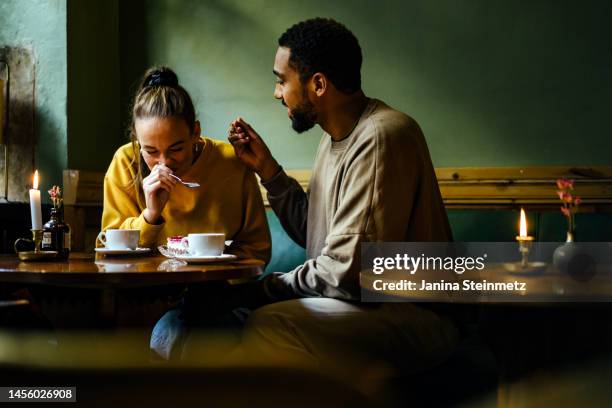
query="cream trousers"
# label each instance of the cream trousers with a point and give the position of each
(331, 332)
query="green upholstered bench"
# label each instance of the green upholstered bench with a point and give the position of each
(467, 226)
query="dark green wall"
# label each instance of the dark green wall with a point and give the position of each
(493, 83)
(94, 112)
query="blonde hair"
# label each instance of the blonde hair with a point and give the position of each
(159, 95)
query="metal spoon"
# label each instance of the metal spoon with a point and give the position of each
(187, 184)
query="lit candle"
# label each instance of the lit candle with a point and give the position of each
(523, 228)
(35, 204)
(524, 240)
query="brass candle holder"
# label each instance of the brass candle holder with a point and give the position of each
(37, 254)
(37, 236)
(36, 241)
(525, 243)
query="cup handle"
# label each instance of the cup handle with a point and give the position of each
(102, 238)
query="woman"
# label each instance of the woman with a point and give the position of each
(140, 192)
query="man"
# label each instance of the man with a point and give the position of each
(372, 180)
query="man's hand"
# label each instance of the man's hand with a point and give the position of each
(252, 150)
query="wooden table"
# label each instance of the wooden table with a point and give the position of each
(86, 271)
(110, 278)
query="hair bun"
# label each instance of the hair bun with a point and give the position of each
(161, 77)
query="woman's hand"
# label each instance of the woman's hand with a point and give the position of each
(157, 187)
(252, 150)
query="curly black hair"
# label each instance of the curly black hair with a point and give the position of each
(324, 45)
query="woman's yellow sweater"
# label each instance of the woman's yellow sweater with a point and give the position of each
(228, 201)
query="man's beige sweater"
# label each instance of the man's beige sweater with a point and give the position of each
(376, 185)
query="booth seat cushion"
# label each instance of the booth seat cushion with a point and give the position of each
(286, 254)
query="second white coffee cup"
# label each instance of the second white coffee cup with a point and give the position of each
(206, 244)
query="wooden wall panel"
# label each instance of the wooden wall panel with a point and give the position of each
(468, 187)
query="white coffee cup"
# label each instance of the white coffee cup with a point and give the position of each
(207, 244)
(118, 239)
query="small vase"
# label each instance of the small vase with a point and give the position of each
(573, 259)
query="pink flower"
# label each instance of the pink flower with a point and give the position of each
(570, 203)
(565, 184)
(56, 196)
(565, 197)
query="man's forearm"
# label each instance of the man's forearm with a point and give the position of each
(290, 204)
(269, 170)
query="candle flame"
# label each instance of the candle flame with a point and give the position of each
(35, 184)
(523, 224)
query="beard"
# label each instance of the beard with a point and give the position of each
(303, 117)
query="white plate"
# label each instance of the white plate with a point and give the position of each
(204, 259)
(108, 251)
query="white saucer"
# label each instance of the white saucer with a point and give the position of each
(108, 251)
(204, 259)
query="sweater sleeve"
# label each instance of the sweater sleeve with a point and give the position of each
(380, 184)
(121, 209)
(290, 204)
(253, 240)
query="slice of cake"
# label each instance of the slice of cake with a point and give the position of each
(178, 245)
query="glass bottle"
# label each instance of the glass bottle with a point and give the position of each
(56, 234)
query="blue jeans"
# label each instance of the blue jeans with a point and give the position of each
(211, 309)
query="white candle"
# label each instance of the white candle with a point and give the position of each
(35, 204)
